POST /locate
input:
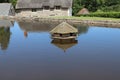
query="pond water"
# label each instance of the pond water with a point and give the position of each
(28, 53)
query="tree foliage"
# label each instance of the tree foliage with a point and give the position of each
(94, 5)
(9, 1)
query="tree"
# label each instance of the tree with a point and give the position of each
(9, 1)
(13, 2)
(77, 6)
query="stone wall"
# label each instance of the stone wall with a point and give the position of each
(105, 23)
(39, 13)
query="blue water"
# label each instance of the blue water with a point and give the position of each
(95, 56)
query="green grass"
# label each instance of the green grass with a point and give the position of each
(87, 18)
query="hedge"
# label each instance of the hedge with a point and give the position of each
(103, 14)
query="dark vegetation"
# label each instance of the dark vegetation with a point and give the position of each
(9, 1)
(103, 14)
(98, 8)
(96, 5)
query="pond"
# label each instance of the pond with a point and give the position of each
(27, 52)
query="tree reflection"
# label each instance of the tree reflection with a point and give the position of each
(82, 29)
(4, 37)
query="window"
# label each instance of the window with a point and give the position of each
(41, 9)
(34, 10)
(46, 7)
(57, 7)
(52, 9)
(60, 35)
(64, 9)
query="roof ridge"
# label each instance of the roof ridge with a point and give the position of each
(64, 27)
(21, 4)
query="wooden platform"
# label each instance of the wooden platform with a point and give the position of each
(71, 37)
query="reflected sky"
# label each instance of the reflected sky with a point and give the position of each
(95, 56)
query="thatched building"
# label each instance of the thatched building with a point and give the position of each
(44, 7)
(83, 11)
(6, 9)
(64, 31)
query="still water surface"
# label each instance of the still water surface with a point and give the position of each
(28, 53)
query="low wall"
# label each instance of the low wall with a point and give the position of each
(106, 23)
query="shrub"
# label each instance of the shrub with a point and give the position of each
(111, 8)
(103, 14)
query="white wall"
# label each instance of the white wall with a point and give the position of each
(54, 12)
(70, 12)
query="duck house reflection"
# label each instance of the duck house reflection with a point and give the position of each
(64, 44)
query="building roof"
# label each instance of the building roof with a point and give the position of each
(26, 4)
(64, 28)
(5, 8)
(83, 11)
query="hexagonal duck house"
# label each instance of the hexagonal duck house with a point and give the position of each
(64, 31)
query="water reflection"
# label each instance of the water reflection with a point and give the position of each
(94, 55)
(36, 27)
(5, 33)
(82, 29)
(64, 44)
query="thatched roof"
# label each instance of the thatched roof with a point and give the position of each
(5, 8)
(83, 11)
(64, 28)
(64, 45)
(26, 4)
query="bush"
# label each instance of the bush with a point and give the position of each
(111, 8)
(103, 14)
